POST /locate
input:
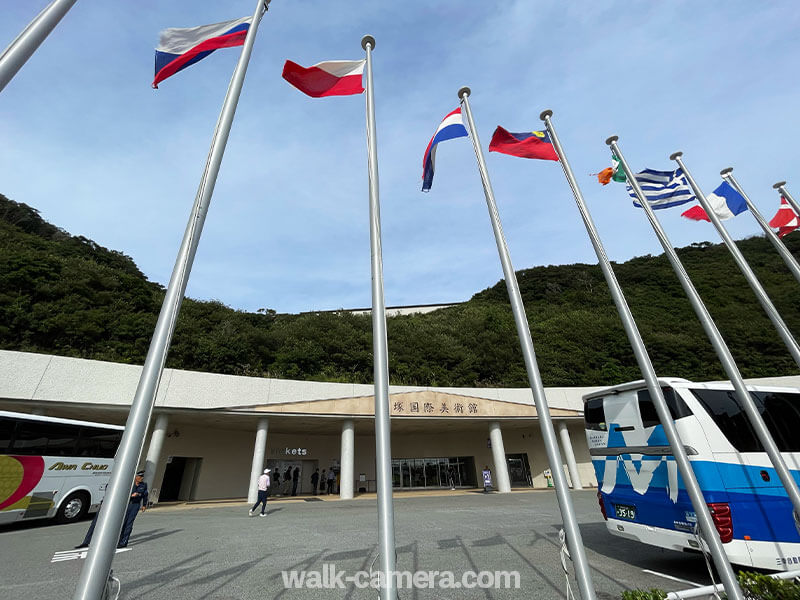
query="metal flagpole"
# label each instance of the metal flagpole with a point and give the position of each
(752, 280)
(776, 241)
(781, 187)
(574, 539)
(725, 356)
(704, 520)
(729, 365)
(94, 574)
(383, 433)
(26, 43)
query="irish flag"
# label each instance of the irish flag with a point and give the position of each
(331, 78)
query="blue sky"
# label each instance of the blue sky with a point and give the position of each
(88, 143)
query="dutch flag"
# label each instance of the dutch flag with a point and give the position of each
(452, 126)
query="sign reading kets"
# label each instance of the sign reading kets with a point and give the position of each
(287, 451)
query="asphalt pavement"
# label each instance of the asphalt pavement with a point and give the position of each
(217, 551)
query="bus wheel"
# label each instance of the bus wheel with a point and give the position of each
(73, 508)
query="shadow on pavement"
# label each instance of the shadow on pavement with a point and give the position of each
(152, 535)
(644, 556)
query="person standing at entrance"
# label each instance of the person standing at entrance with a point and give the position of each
(323, 481)
(331, 479)
(287, 480)
(277, 482)
(487, 479)
(295, 480)
(451, 478)
(263, 492)
(314, 482)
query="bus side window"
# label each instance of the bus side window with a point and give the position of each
(781, 413)
(724, 409)
(647, 410)
(100, 443)
(6, 433)
(594, 415)
(49, 439)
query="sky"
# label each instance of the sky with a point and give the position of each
(88, 143)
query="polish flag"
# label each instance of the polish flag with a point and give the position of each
(785, 220)
(331, 78)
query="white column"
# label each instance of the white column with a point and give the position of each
(566, 447)
(154, 449)
(500, 476)
(346, 462)
(259, 450)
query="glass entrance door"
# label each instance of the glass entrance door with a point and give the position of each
(432, 472)
(519, 471)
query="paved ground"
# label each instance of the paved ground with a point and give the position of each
(215, 551)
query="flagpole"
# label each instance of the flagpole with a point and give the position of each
(783, 331)
(704, 520)
(776, 241)
(714, 336)
(22, 48)
(383, 434)
(781, 187)
(574, 539)
(95, 572)
(729, 365)
(724, 354)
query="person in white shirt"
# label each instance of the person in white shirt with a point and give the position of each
(263, 492)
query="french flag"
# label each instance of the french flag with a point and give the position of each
(179, 48)
(331, 78)
(725, 201)
(452, 126)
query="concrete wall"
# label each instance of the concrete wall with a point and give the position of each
(42, 377)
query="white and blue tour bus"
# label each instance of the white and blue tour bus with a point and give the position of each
(52, 467)
(642, 496)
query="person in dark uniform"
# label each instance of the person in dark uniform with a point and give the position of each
(314, 482)
(295, 480)
(138, 502)
(137, 499)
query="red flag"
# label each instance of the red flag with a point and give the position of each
(785, 220)
(531, 144)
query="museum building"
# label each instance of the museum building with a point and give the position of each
(211, 435)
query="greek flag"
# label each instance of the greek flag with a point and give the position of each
(663, 189)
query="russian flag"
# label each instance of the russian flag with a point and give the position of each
(179, 48)
(452, 126)
(331, 78)
(725, 201)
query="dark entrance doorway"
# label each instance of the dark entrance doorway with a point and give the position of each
(180, 478)
(519, 470)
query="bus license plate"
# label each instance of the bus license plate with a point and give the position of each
(625, 512)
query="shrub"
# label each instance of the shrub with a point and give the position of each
(653, 594)
(757, 586)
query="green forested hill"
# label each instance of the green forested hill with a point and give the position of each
(66, 295)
